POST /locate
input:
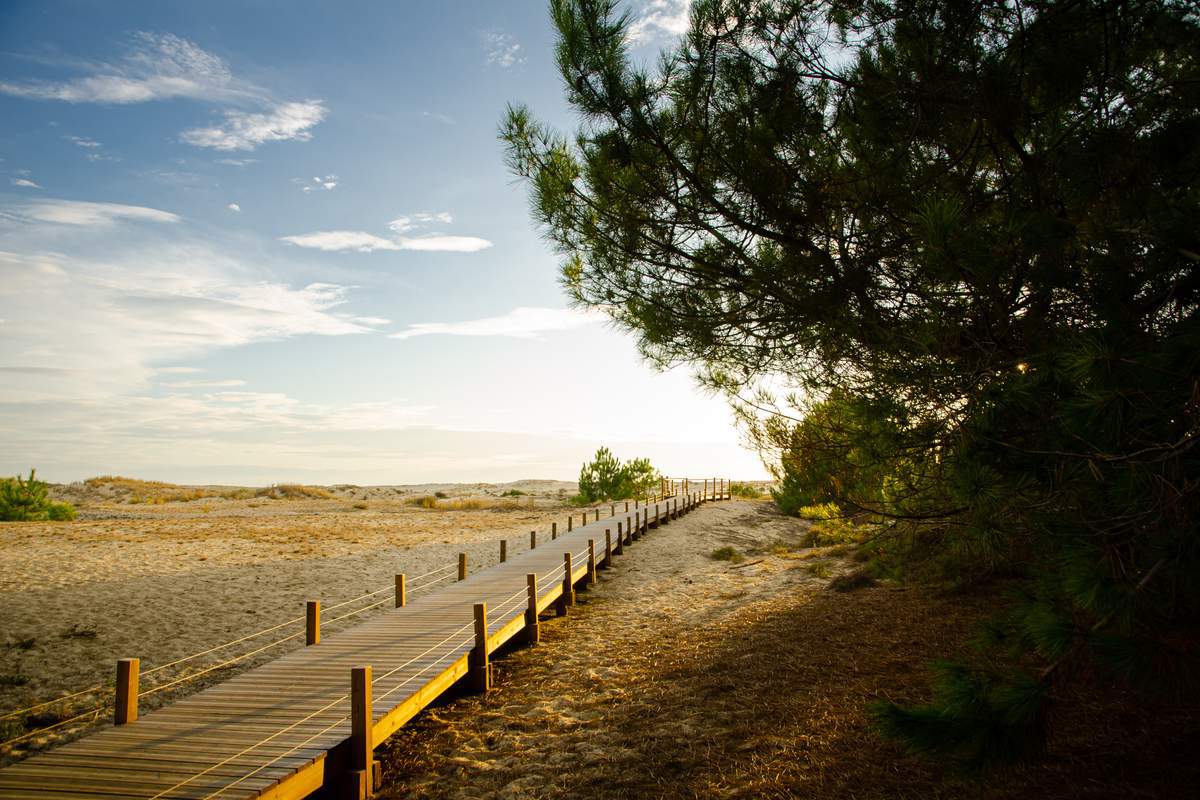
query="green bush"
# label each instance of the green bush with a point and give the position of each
(727, 553)
(25, 499)
(746, 490)
(606, 478)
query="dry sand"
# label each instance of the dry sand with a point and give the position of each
(159, 582)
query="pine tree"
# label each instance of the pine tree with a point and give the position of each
(968, 235)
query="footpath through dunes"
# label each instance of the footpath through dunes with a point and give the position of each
(289, 727)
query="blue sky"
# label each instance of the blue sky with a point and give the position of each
(253, 242)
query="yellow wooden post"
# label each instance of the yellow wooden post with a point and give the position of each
(503, 550)
(532, 631)
(462, 566)
(705, 495)
(401, 591)
(591, 570)
(312, 622)
(362, 735)
(479, 671)
(608, 550)
(126, 710)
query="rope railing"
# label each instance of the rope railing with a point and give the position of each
(418, 583)
(443, 573)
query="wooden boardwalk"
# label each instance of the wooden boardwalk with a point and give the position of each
(287, 728)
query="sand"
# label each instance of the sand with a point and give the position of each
(160, 582)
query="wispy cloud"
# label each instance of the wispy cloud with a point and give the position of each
(234, 207)
(25, 183)
(237, 162)
(420, 219)
(503, 50)
(243, 130)
(154, 67)
(157, 66)
(225, 384)
(328, 183)
(660, 19)
(94, 149)
(78, 212)
(363, 242)
(83, 141)
(337, 241)
(520, 323)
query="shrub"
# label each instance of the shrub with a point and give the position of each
(606, 478)
(727, 553)
(746, 490)
(440, 495)
(28, 499)
(424, 501)
(852, 581)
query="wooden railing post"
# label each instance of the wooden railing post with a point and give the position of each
(479, 671)
(619, 550)
(532, 631)
(570, 522)
(553, 531)
(312, 622)
(362, 744)
(401, 591)
(462, 566)
(626, 506)
(503, 550)
(705, 494)
(597, 515)
(568, 585)
(126, 710)
(591, 569)
(533, 540)
(608, 548)
(612, 510)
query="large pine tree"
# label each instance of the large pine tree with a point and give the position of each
(969, 233)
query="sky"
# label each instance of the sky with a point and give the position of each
(257, 242)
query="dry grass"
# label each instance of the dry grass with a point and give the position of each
(136, 491)
(295, 491)
(770, 702)
(464, 504)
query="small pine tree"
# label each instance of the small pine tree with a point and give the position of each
(28, 499)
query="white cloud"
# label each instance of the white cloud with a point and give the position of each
(363, 242)
(520, 323)
(227, 384)
(178, 370)
(446, 244)
(78, 212)
(328, 183)
(420, 219)
(25, 182)
(83, 141)
(154, 67)
(336, 241)
(243, 130)
(660, 19)
(234, 207)
(503, 49)
(237, 162)
(164, 67)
